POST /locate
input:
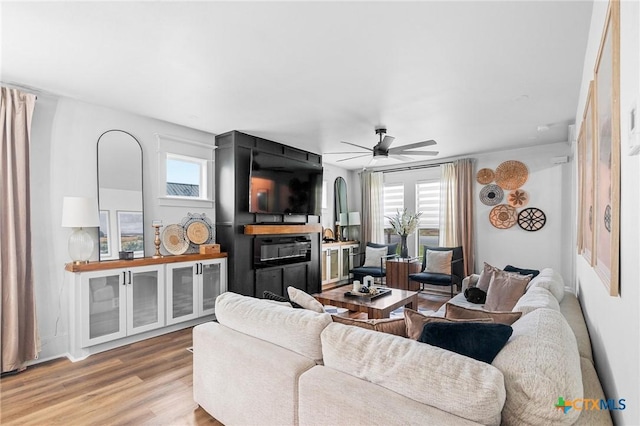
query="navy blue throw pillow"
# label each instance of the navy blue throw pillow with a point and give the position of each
(272, 296)
(481, 341)
(522, 271)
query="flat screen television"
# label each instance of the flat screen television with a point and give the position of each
(282, 185)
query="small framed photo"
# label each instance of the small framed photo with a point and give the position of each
(131, 232)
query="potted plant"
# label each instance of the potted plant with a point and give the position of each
(404, 224)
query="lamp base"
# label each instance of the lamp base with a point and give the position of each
(80, 246)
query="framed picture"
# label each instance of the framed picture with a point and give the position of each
(607, 153)
(105, 236)
(131, 232)
(586, 150)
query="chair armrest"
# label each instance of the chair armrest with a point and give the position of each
(456, 261)
(383, 259)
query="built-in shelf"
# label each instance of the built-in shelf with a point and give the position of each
(115, 264)
(259, 229)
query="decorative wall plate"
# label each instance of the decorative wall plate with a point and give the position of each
(532, 219)
(491, 195)
(511, 174)
(485, 176)
(200, 226)
(503, 216)
(518, 198)
(174, 239)
(197, 232)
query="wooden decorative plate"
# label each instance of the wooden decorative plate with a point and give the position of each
(511, 174)
(197, 232)
(485, 176)
(518, 198)
(503, 216)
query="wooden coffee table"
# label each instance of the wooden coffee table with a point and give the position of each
(380, 307)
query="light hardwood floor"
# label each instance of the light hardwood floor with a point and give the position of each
(146, 383)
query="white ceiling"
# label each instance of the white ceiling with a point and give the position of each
(475, 76)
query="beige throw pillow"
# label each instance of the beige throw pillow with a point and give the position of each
(504, 290)
(414, 322)
(305, 300)
(386, 325)
(458, 312)
(485, 276)
(373, 256)
(439, 262)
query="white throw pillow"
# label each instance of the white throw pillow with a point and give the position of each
(439, 262)
(373, 256)
(305, 300)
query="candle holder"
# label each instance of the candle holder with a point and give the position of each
(157, 224)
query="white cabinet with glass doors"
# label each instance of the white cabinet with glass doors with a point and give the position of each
(337, 261)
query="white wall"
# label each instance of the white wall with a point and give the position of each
(550, 189)
(614, 321)
(63, 162)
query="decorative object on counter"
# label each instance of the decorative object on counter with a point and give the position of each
(511, 174)
(327, 236)
(209, 248)
(491, 195)
(485, 176)
(518, 198)
(157, 224)
(368, 281)
(532, 219)
(404, 224)
(503, 216)
(356, 286)
(198, 230)
(80, 213)
(125, 255)
(174, 239)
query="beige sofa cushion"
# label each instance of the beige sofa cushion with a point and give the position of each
(414, 322)
(540, 363)
(504, 290)
(304, 299)
(535, 298)
(295, 329)
(551, 280)
(448, 381)
(570, 308)
(459, 312)
(385, 325)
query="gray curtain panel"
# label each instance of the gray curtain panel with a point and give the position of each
(20, 341)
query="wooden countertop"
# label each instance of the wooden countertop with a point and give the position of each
(340, 243)
(144, 261)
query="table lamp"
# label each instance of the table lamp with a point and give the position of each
(80, 213)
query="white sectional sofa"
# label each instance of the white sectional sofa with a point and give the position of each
(269, 364)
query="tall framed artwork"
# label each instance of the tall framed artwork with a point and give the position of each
(131, 232)
(586, 164)
(607, 153)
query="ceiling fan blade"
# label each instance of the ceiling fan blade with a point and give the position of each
(345, 152)
(359, 146)
(386, 143)
(351, 158)
(401, 157)
(413, 146)
(414, 153)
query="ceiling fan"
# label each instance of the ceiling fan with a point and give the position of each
(383, 149)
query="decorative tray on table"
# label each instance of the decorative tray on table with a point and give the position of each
(381, 292)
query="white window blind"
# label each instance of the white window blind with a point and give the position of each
(428, 202)
(393, 200)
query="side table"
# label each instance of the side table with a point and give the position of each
(398, 271)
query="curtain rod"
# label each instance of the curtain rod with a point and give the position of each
(423, 166)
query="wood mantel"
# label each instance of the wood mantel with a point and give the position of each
(258, 229)
(115, 264)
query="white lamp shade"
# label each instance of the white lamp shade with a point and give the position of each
(354, 218)
(80, 212)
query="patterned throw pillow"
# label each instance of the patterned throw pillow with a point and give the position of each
(439, 262)
(305, 300)
(414, 322)
(458, 312)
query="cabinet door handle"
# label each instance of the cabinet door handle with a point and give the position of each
(129, 277)
(124, 277)
(200, 268)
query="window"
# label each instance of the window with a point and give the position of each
(186, 176)
(185, 172)
(393, 200)
(428, 202)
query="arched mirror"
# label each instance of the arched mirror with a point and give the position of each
(341, 208)
(120, 194)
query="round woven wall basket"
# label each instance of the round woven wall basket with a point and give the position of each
(174, 239)
(532, 219)
(485, 176)
(518, 198)
(491, 195)
(197, 232)
(503, 216)
(511, 174)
